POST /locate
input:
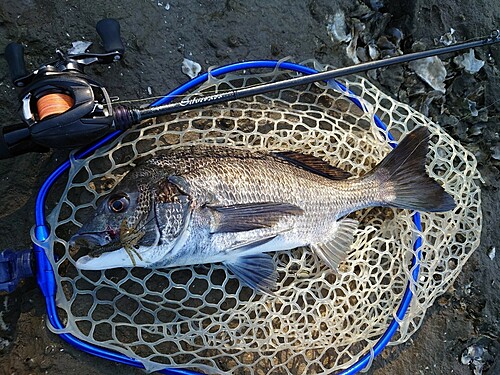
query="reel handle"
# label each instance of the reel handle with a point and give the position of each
(14, 54)
(109, 31)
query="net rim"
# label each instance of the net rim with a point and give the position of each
(45, 274)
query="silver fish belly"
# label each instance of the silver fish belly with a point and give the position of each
(206, 204)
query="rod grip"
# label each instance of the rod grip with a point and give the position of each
(109, 31)
(14, 54)
(16, 139)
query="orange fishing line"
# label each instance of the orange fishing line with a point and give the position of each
(53, 104)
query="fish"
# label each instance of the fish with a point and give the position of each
(204, 204)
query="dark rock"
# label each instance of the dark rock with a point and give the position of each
(384, 43)
(392, 77)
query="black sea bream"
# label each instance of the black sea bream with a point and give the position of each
(206, 204)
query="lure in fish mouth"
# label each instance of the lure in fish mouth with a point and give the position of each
(110, 240)
(206, 204)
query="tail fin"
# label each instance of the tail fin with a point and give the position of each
(403, 173)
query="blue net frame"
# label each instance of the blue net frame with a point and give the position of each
(45, 273)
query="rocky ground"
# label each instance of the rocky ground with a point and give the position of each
(462, 327)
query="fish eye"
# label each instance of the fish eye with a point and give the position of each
(118, 203)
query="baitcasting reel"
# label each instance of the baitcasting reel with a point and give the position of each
(61, 106)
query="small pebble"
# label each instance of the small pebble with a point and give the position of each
(492, 253)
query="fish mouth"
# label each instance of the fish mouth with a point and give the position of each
(97, 242)
(90, 240)
(105, 251)
(109, 260)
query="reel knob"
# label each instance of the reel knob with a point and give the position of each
(109, 31)
(14, 54)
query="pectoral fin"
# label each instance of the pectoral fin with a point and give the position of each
(256, 271)
(244, 217)
(335, 251)
(252, 244)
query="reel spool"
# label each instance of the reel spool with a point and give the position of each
(53, 104)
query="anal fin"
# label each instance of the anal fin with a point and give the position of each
(258, 271)
(335, 251)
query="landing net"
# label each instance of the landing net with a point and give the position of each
(201, 317)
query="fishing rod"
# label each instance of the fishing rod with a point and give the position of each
(62, 107)
(138, 115)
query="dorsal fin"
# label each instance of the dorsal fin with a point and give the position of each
(313, 164)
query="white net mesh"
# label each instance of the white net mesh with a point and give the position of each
(200, 317)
